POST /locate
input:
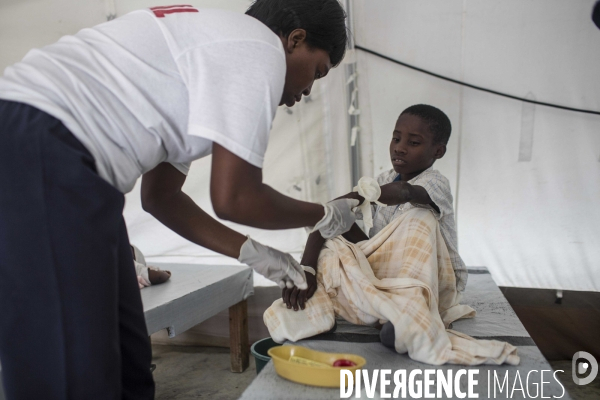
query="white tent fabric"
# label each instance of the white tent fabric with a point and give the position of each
(526, 178)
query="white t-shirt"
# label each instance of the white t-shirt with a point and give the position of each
(156, 86)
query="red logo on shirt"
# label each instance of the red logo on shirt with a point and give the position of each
(161, 11)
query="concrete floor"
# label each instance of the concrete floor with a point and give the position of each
(190, 372)
(587, 392)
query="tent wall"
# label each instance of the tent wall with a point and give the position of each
(34, 23)
(525, 178)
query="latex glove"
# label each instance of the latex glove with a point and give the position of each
(338, 218)
(273, 264)
(368, 188)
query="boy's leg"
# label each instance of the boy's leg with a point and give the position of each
(387, 335)
(59, 262)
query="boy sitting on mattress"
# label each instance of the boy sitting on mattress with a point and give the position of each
(419, 138)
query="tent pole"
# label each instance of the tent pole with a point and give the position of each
(110, 9)
(352, 100)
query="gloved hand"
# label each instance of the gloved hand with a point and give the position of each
(338, 218)
(273, 264)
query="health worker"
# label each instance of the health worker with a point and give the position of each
(142, 95)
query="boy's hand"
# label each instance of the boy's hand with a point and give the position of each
(296, 298)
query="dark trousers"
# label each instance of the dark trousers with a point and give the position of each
(71, 318)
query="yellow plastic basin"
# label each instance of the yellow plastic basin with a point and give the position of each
(325, 376)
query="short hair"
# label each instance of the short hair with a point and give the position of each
(323, 20)
(438, 123)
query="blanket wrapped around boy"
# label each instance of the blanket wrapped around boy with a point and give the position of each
(403, 275)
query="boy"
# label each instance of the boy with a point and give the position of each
(408, 273)
(419, 138)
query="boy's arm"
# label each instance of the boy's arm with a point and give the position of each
(315, 242)
(295, 298)
(395, 193)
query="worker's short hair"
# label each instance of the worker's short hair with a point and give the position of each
(437, 121)
(323, 20)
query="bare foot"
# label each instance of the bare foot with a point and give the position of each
(158, 277)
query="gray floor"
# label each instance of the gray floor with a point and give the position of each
(189, 372)
(587, 392)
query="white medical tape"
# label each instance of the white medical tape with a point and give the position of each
(368, 188)
(309, 269)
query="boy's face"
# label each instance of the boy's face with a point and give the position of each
(303, 65)
(412, 149)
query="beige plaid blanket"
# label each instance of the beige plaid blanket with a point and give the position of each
(403, 275)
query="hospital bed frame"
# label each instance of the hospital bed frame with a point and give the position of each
(195, 293)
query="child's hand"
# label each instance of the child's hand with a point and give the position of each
(295, 298)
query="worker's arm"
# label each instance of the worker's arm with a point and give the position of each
(239, 195)
(162, 197)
